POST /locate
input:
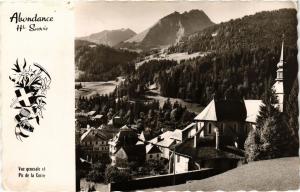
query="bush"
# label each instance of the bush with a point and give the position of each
(113, 174)
(96, 174)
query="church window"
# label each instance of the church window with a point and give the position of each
(209, 128)
(178, 158)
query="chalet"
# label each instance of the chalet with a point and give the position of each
(163, 142)
(153, 152)
(129, 153)
(126, 137)
(94, 144)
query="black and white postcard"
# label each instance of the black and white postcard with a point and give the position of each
(149, 96)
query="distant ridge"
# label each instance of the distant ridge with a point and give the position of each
(109, 37)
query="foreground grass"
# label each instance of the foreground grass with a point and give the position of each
(277, 174)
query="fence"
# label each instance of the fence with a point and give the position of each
(163, 180)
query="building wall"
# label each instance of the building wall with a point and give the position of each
(153, 156)
(181, 164)
(166, 152)
(228, 128)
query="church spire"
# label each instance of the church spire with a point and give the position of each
(278, 85)
(280, 63)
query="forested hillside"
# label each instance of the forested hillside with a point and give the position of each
(102, 63)
(243, 57)
(262, 30)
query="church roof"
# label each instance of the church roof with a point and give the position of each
(208, 113)
(229, 110)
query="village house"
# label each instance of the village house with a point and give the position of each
(129, 153)
(94, 144)
(89, 118)
(126, 137)
(163, 142)
(153, 153)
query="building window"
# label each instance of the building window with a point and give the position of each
(157, 155)
(178, 158)
(150, 156)
(209, 128)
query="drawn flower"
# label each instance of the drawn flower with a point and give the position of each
(45, 85)
(38, 107)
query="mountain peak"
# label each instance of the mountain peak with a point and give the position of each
(171, 28)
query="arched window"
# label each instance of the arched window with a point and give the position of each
(209, 128)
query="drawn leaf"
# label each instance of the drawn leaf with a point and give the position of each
(37, 119)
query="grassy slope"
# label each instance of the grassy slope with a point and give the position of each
(278, 174)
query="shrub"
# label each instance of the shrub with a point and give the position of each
(113, 174)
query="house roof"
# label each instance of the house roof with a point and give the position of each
(253, 107)
(132, 151)
(125, 136)
(98, 116)
(93, 134)
(91, 113)
(144, 136)
(164, 139)
(189, 126)
(177, 134)
(206, 151)
(152, 149)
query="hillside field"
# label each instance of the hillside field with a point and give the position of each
(277, 174)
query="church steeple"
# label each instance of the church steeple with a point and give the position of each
(280, 65)
(278, 85)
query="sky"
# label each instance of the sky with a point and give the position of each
(95, 16)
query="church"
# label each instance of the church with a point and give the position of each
(220, 130)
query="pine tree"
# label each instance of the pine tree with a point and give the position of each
(269, 107)
(252, 148)
(292, 113)
(272, 137)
